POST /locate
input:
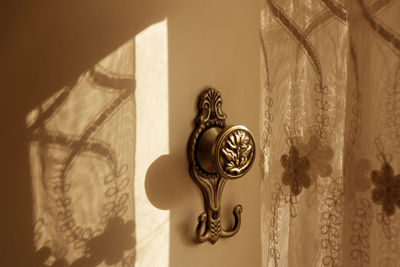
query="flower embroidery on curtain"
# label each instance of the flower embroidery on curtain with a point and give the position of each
(319, 155)
(295, 173)
(387, 184)
(387, 188)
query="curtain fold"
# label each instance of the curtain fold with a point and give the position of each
(331, 133)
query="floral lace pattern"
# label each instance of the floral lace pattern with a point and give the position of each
(336, 89)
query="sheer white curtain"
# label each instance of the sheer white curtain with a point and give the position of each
(331, 133)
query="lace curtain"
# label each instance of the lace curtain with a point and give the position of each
(331, 133)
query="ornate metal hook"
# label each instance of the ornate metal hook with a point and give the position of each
(217, 154)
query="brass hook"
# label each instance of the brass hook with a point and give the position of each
(217, 154)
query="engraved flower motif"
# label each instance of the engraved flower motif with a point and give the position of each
(387, 188)
(237, 152)
(295, 173)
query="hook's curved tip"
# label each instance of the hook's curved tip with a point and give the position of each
(200, 235)
(202, 217)
(237, 211)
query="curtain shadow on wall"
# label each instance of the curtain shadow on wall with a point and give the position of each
(82, 168)
(61, 153)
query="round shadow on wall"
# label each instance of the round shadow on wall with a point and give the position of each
(166, 180)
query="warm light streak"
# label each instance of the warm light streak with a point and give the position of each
(152, 141)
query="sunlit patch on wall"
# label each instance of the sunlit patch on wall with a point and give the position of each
(82, 167)
(152, 224)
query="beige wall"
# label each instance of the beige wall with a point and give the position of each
(210, 43)
(46, 44)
